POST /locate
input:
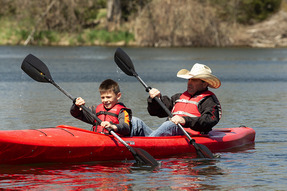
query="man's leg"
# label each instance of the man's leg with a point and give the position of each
(139, 128)
(167, 129)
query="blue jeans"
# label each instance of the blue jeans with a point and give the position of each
(139, 128)
(168, 128)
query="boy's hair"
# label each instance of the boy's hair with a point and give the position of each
(109, 85)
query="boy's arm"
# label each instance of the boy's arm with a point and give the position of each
(124, 126)
(80, 114)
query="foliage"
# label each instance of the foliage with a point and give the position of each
(46, 36)
(149, 22)
(9, 33)
(257, 10)
(245, 11)
(64, 15)
(132, 7)
(108, 37)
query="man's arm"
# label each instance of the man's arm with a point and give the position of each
(155, 109)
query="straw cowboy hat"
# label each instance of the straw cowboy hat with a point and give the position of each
(200, 71)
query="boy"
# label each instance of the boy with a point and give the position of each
(113, 113)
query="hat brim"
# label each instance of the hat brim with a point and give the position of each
(212, 80)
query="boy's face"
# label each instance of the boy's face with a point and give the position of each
(109, 99)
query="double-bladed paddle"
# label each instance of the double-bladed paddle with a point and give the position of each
(126, 65)
(38, 71)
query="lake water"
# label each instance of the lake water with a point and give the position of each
(253, 93)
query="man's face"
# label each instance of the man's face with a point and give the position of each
(109, 99)
(195, 85)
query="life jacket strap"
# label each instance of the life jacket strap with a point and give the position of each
(186, 101)
(183, 113)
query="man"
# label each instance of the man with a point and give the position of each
(197, 108)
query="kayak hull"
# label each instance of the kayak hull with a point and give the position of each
(71, 144)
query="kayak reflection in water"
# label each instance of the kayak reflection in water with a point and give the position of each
(114, 114)
(197, 108)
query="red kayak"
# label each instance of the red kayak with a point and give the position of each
(71, 144)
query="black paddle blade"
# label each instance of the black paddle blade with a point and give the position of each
(144, 157)
(36, 69)
(204, 152)
(124, 62)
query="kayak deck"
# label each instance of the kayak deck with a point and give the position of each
(71, 144)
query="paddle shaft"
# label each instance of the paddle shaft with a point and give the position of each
(70, 96)
(61, 89)
(122, 141)
(163, 106)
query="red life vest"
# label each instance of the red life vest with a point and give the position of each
(187, 105)
(108, 115)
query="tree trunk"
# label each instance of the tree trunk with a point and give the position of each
(113, 13)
